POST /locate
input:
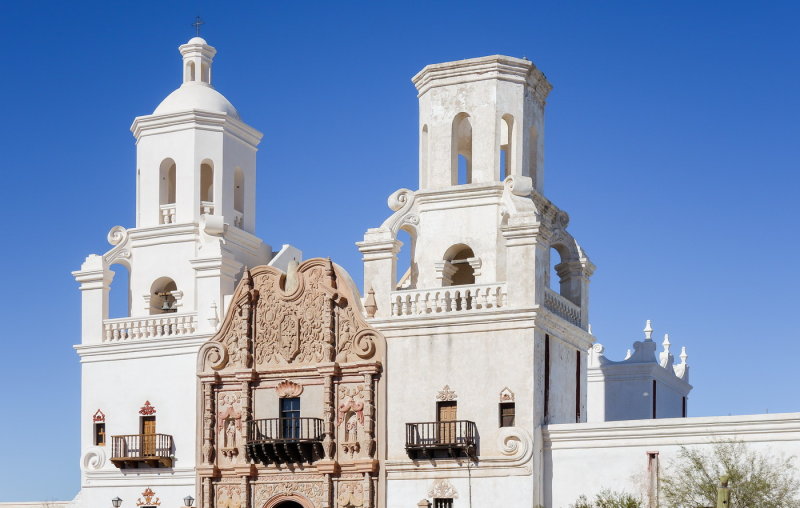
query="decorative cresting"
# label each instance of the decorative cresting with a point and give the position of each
(300, 334)
(148, 409)
(442, 489)
(446, 394)
(150, 498)
(267, 326)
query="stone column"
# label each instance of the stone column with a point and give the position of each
(208, 423)
(368, 443)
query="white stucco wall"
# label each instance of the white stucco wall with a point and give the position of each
(586, 458)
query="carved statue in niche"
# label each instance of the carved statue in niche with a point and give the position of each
(229, 496)
(229, 423)
(351, 495)
(350, 411)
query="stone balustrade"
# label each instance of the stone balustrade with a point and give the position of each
(562, 307)
(451, 299)
(207, 207)
(168, 214)
(150, 327)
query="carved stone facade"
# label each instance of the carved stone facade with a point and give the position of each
(299, 335)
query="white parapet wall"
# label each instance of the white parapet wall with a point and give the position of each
(585, 458)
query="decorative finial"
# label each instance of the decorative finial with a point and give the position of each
(648, 331)
(197, 23)
(370, 305)
(666, 343)
(683, 355)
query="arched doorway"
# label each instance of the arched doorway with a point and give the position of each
(288, 501)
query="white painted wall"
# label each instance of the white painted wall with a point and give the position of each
(586, 458)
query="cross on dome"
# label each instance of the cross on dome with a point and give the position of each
(197, 23)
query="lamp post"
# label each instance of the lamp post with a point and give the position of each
(188, 501)
(116, 502)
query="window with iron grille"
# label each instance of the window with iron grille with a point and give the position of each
(506, 414)
(443, 503)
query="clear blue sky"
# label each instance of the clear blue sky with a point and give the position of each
(671, 139)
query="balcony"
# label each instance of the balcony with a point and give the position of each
(285, 440)
(449, 300)
(141, 450)
(562, 307)
(457, 438)
(150, 327)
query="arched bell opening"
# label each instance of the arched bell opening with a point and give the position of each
(458, 268)
(164, 296)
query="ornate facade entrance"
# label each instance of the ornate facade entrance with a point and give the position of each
(291, 391)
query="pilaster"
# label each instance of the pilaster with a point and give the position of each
(379, 254)
(95, 283)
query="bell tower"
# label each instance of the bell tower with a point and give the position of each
(191, 243)
(480, 121)
(475, 325)
(194, 155)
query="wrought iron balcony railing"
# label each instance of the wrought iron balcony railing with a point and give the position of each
(142, 450)
(285, 440)
(459, 437)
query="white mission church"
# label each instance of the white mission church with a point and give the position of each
(469, 381)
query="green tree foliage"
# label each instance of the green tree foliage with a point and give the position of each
(755, 479)
(609, 499)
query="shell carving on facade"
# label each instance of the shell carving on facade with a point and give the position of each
(288, 388)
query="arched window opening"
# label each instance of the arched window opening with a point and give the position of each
(167, 191)
(461, 170)
(167, 182)
(506, 128)
(205, 73)
(406, 268)
(533, 154)
(164, 296)
(459, 266)
(119, 304)
(238, 196)
(207, 187)
(189, 72)
(423, 151)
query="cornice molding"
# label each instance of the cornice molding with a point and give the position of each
(195, 119)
